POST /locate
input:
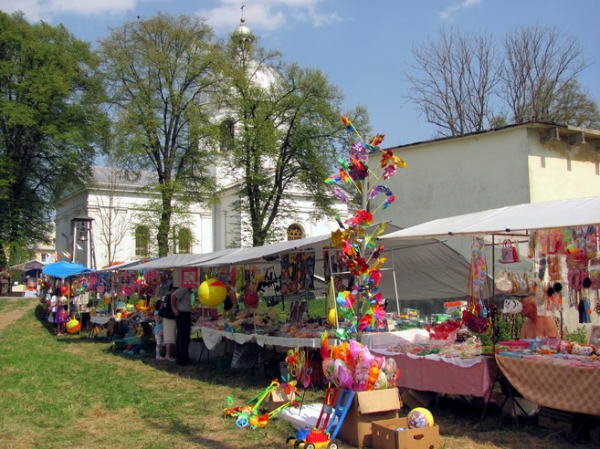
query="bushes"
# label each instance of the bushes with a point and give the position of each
(579, 335)
(506, 327)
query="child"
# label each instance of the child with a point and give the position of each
(62, 317)
(158, 335)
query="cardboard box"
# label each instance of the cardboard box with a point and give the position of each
(368, 406)
(276, 399)
(518, 406)
(414, 398)
(555, 419)
(385, 435)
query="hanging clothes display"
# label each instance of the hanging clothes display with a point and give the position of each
(476, 316)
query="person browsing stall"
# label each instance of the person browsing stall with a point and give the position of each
(536, 325)
(181, 301)
(231, 299)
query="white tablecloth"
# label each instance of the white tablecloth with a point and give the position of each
(212, 337)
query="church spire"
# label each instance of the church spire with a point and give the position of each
(243, 35)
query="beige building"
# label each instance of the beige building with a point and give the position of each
(517, 164)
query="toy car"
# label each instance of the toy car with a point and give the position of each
(313, 439)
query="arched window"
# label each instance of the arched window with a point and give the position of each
(184, 238)
(295, 232)
(227, 134)
(142, 241)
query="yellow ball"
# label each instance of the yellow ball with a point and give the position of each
(419, 417)
(331, 317)
(73, 326)
(212, 292)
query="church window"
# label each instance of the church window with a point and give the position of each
(142, 241)
(227, 134)
(295, 232)
(185, 241)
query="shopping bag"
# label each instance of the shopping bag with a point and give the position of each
(509, 253)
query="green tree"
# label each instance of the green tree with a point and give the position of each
(572, 106)
(51, 124)
(282, 129)
(158, 73)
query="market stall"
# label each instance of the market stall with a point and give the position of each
(442, 367)
(562, 239)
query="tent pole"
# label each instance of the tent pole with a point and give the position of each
(491, 308)
(395, 284)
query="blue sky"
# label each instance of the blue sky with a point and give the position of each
(361, 45)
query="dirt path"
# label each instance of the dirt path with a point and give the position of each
(14, 315)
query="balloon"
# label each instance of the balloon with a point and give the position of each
(212, 292)
(361, 373)
(382, 382)
(366, 356)
(419, 417)
(328, 367)
(373, 376)
(380, 361)
(392, 372)
(331, 317)
(343, 375)
(355, 348)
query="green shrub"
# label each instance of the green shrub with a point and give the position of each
(506, 327)
(579, 335)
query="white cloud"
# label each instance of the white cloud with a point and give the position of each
(47, 10)
(447, 13)
(267, 14)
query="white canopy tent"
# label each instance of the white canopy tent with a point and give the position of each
(508, 220)
(427, 269)
(178, 261)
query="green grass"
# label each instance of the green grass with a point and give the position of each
(74, 392)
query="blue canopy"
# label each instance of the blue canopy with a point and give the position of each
(63, 269)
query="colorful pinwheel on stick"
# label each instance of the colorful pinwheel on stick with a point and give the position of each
(359, 250)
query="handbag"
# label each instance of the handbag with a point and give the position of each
(509, 252)
(513, 306)
(166, 310)
(503, 283)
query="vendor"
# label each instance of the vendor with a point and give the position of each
(536, 325)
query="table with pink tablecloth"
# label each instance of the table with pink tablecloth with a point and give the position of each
(473, 377)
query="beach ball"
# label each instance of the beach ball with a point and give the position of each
(212, 292)
(73, 326)
(419, 417)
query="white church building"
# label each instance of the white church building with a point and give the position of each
(110, 220)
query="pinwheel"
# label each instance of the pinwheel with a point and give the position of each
(348, 124)
(340, 194)
(389, 171)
